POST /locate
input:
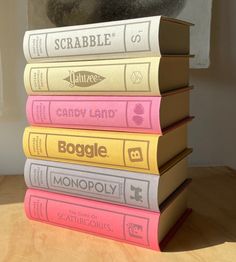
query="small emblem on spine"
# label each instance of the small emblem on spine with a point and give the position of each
(135, 154)
(136, 77)
(138, 110)
(137, 193)
(135, 230)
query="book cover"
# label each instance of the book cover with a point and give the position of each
(144, 153)
(132, 76)
(148, 36)
(115, 113)
(132, 189)
(135, 226)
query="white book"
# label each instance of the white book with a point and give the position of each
(141, 37)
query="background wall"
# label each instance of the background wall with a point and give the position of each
(213, 101)
(13, 23)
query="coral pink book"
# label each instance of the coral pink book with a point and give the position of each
(134, 226)
(114, 113)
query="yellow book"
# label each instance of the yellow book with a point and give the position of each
(128, 151)
(133, 76)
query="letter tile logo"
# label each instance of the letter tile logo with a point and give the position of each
(135, 230)
(135, 154)
(83, 78)
(139, 111)
(136, 77)
(137, 193)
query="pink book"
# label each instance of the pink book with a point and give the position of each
(134, 226)
(117, 113)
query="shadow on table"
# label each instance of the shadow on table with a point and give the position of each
(212, 197)
(12, 189)
(199, 232)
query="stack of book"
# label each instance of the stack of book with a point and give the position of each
(107, 147)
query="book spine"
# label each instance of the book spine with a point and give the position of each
(96, 41)
(119, 150)
(130, 114)
(126, 76)
(134, 226)
(120, 187)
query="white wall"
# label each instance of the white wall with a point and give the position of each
(212, 133)
(213, 102)
(13, 23)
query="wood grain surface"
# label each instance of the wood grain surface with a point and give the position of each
(208, 235)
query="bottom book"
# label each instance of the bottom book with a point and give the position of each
(134, 226)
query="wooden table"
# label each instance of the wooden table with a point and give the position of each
(208, 235)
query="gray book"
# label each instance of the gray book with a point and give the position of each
(133, 189)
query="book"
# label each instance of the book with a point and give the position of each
(144, 153)
(132, 76)
(132, 189)
(134, 226)
(115, 113)
(148, 36)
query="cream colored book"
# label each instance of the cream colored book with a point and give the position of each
(133, 76)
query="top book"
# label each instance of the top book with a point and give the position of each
(148, 36)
